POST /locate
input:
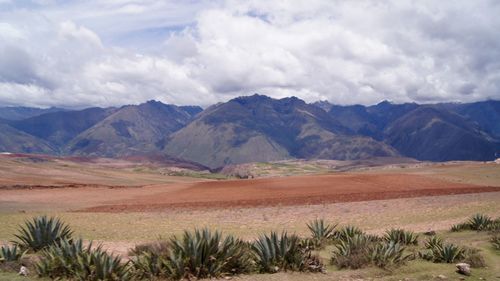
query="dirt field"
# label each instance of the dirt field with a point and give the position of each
(37, 183)
(303, 190)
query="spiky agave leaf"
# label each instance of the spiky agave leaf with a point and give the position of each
(204, 254)
(321, 231)
(387, 254)
(443, 253)
(97, 265)
(72, 260)
(480, 222)
(11, 253)
(347, 232)
(59, 260)
(401, 236)
(433, 242)
(352, 252)
(42, 232)
(275, 252)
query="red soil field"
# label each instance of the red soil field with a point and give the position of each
(297, 190)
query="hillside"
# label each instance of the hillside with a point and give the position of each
(438, 132)
(12, 140)
(428, 133)
(131, 129)
(58, 128)
(259, 128)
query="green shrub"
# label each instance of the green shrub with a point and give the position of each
(10, 254)
(388, 254)
(42, 232)
(321, 232)
(401, 236)
(275, 252)
(72, 260)
(352, 252)
(204, 254)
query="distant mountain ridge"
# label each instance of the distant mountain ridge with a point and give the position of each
(437, 132)
(22, 112)
(259, 128)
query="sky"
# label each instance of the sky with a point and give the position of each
(115, 52)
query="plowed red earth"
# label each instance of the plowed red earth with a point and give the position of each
(299, 190)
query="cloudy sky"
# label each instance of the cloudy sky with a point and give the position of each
(115, 52)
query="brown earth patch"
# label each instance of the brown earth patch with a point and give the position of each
(300, 190)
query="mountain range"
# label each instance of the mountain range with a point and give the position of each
(259, 128)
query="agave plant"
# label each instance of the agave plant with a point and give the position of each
(443, 253)
(460, 227)
(60, 260)
(206, 254)
(480, 222)
(388, 254)
(320, 231)
(149, 265)
(401, 236)
(433, 242)
(10, 254)
(72, 260)
(284, 252)
(347, 232)
(97, 265)
(42, 232)
(352, 252)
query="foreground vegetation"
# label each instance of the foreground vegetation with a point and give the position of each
(47, 247)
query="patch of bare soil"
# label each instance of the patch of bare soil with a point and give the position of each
(300, 190)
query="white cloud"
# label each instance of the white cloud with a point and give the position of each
(200, 52)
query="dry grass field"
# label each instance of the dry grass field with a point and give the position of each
(120, 204)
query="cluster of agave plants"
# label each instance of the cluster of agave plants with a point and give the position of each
(203, 253)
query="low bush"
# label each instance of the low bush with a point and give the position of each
(42, 232)
(473, 257)
(284, 252)
(401, 236)
(495, 241)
